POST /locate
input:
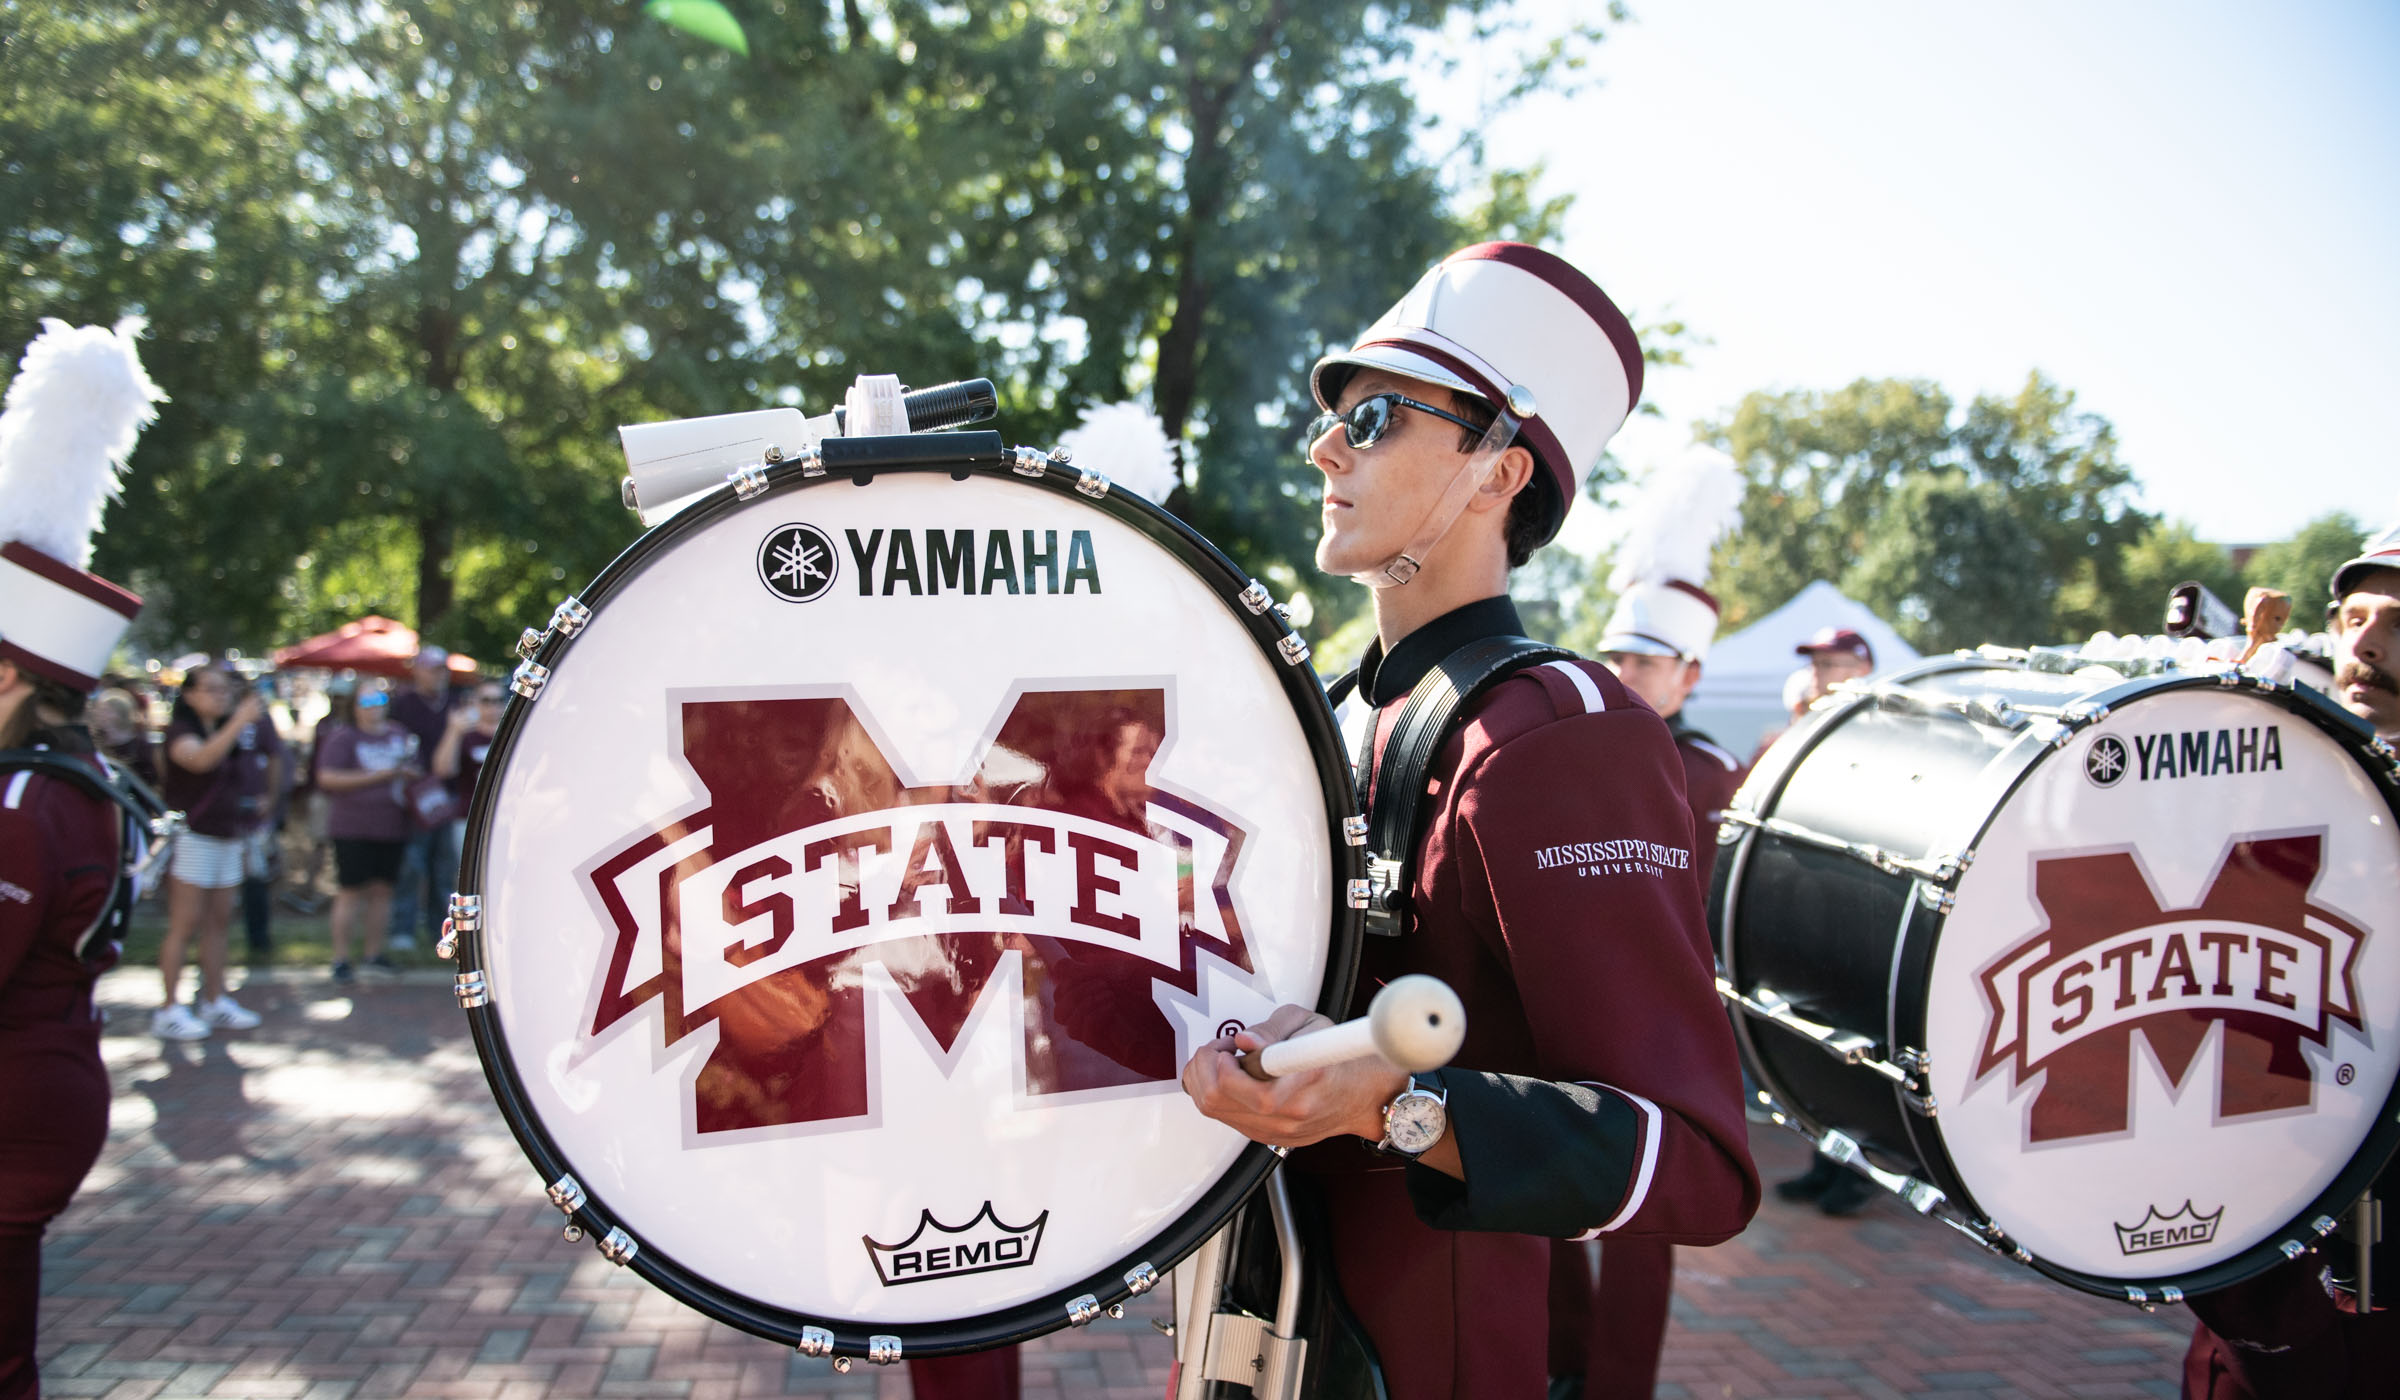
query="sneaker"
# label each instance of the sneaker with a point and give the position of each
(177, 1023)
(227, 1014)
(342, 975)
(1815, 1182)
(1848, 1196)
(380, 965)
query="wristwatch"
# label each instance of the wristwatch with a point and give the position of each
(1416, 1120)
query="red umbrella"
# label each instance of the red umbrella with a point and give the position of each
(375, 645)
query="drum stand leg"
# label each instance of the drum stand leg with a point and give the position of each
(1233, 1346)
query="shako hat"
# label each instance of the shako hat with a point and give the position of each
(1663, 609)
(1509, 315)
(2380, 552)
(77, 405)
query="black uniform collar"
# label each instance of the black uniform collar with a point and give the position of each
(1383, 679)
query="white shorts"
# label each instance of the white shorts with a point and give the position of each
(208, 862)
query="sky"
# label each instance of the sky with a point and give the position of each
(2188, 213)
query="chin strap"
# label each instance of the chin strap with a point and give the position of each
(1472, 474)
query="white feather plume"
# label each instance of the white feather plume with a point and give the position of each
(1676, 520)
(1126, 443)
(79, 402)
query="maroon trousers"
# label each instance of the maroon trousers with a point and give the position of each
(2281, 1336)
(1611, 1333)
(983, 1375)
(53, 1121)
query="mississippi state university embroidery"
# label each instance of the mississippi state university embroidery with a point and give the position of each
(760, 912)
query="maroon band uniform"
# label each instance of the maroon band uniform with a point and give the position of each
(1597, 1094)
(60, 856)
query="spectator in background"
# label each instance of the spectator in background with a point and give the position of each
(222, 761)
(121, 731)
(1835, 654)
(364, 765)
(262, 855)
(466, 742)
(429, 864)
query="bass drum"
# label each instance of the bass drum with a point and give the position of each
(860, 860)
(2104, 971)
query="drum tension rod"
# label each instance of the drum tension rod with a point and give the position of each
(1939, 870)
(1849, 1047)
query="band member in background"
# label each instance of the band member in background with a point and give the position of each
(2291, 1333)
(1596, 1094)
(1835, 654)
(74, 411)
(1605, 1342)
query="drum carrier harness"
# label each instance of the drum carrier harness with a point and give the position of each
(1395, 787)
(144, 814)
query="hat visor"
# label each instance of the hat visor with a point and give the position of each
(1331, 373)
(1635, 644)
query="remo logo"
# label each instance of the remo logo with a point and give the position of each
(759, 912)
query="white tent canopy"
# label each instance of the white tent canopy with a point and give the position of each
(1740, 696)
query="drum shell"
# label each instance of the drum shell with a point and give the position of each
(957, 459)
(1853, 946)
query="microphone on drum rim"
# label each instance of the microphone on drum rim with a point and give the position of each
(943, 406)
(1415, 1023)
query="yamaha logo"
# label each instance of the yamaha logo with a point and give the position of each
(797, 562)
(2104, 762)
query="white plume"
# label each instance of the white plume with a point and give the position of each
(1126, 443)
(74, 411)
(1675, 521)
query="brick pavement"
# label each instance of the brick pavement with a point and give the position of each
(331, 1207)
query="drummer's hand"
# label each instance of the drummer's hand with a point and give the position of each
(1296, 1109)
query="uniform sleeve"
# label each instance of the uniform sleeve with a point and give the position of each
(27, 877)
(1584, 844)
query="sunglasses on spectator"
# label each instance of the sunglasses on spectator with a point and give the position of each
(1364, 423)
(373, 702)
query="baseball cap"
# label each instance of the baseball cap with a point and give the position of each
(1841, 639)
(2380, 552)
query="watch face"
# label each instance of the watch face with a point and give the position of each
(1415, 1123)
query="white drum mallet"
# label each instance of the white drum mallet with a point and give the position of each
(1414, 1024)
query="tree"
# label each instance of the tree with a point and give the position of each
(2001, 524)
(407, 263)
(2303, 565)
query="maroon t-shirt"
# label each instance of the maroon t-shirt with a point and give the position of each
(473, 748)
(375, 812)
(1711, 776)
(230, 799)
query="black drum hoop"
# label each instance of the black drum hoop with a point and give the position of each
(2008, 772)
(958, 455)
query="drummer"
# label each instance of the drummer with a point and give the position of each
(2285, 1333)
(1597, 1093)
(1605, 1340)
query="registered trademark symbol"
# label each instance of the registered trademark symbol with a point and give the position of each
(1227, 1030)
(2345, 1074)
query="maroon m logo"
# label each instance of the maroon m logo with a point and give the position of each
(2255, 954)
(812, 859)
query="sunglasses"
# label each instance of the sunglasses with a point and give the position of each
(1365, 422)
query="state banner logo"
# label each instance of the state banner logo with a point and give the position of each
(761, 911)
(2257, 956)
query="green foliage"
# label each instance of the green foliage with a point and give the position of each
(2003, 523)
(2303, 565)
(407, 265)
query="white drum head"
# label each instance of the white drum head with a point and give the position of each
(2164, 1014)
(865, 873)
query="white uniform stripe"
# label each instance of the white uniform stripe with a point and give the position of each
(1731, 763)
(1592, 703)
(1640, 1190)
(16, 788)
